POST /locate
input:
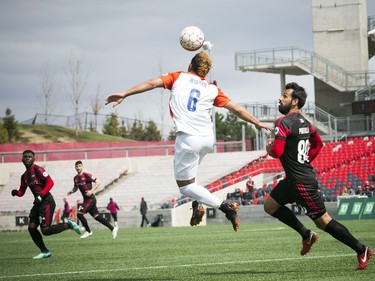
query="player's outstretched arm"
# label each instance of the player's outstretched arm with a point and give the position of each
(145, 86)
(242, 113)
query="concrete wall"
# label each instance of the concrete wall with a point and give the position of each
(340, 32)
(340, 36)
(335, 102)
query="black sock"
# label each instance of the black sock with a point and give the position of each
(285, 215)
(54, 229)
(84, 222)
(37, 238)
(341, 233)
(104, 222)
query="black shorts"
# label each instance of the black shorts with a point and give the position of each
(305, 195)
(114, 216)
(65, 215)
(42, 213)
(89, 206)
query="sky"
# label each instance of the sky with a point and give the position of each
(121, 43)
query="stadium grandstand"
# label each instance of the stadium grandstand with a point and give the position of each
(343, 113)
(340, 165)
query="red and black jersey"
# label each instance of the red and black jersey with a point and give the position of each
(66, 207)
(37, 179)
(84, 182)
(296, 144)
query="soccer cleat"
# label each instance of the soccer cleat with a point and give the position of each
(86, 234)
(74, 226)
(309, 242)
(198, 213)
(230, 210)
(43, 255)
(364, 258)
(114, 232)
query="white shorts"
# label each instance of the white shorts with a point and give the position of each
(189, 152)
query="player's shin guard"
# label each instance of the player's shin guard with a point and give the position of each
(84, 222)
(341, 233)
(104, 222)
(37, 238)
(285, 215)
(54, 229)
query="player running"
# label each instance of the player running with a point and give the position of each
(297, 144)
(84, 182)
(41, 214)
(191, 102)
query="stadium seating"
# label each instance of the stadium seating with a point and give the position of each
(339, 165)
(345, 164)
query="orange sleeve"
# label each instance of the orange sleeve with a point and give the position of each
(221, 99)
(169, 79)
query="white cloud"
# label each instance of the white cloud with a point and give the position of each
(124, 42)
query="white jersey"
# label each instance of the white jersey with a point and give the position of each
(191, 102)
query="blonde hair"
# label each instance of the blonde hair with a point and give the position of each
(201, 64)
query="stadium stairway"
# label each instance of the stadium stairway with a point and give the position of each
(153, 178)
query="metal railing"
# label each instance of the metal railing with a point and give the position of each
(113, 152)
(308, 61)
(89, 121)
(370, 23)
(367, 93)
(331, 127)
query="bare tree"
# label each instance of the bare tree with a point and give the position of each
(47, 97)
(77, 77)
(162, 104)
(96, 105)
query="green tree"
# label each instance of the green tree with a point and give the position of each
(4, 138)
(137, 131)
(11, 125)
(123, 129)
(172, 134)
(111, 125)
(151, 132)
(221, 126)
(229, 127)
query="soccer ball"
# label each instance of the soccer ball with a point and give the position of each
(191, 38)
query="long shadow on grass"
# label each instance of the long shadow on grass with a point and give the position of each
(254, 272)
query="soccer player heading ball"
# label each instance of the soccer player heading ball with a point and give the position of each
(191, 103)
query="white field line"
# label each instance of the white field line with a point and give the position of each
(67, 273)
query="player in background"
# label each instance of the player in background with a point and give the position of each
(41, 214)
(113, 207)
(296, 144)
(191, 103)
(66, 211)
(84, 182)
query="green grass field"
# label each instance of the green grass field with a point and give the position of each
(257, 252)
